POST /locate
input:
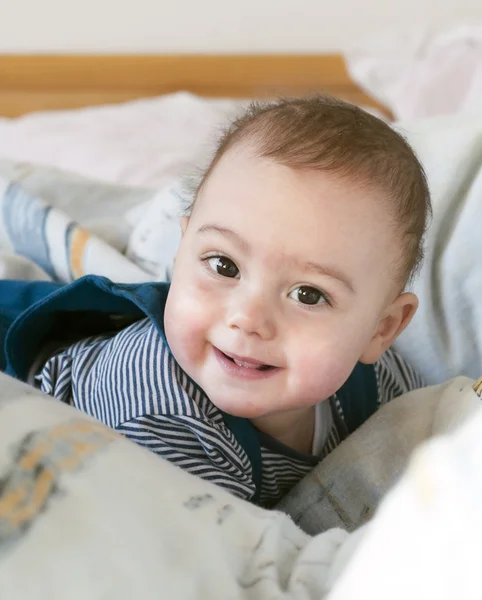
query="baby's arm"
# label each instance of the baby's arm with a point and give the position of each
(57, 370)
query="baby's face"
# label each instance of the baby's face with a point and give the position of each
(279, 284)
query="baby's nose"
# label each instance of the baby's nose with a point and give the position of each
(253, 315)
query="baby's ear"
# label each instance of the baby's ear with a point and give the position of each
(394, 320)
(184, 224)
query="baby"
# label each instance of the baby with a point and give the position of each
(271, 343)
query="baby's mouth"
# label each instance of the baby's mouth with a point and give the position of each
(248, 363)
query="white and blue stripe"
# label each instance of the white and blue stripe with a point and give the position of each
(132, 383)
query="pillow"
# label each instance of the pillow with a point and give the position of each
(145, 142)
(445, 337)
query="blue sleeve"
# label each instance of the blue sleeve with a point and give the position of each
(32, 313)
(15, 298)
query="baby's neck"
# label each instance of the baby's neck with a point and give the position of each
(294, 428)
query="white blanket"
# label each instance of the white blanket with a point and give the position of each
(145, 142)
(86, 514)
(141, 524)
(420, 72)
(54, 224)
(445, 337)
(349, 484)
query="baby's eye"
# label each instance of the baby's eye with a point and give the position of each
(308, 295)
(223, 266)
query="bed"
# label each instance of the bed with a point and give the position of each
(138, 121)
(38, 83)
(84, 511)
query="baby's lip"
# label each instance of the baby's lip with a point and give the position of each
(246, 361)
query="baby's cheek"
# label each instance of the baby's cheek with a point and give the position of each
(185, 330)
(191, 337)
(194, 338)
(321, 375)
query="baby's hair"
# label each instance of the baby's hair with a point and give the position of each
(325, 134)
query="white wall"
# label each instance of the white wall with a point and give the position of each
(215, 25)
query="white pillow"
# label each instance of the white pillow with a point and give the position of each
(445, 337)
(145, 142)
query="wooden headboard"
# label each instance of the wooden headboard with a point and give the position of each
(52, 82)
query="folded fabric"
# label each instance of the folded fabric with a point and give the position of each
(156, 233)
(19, 267)
(68, 225)
(346, 488)
(57, 244)
(97, 206)
(85, 513)
(424, 542)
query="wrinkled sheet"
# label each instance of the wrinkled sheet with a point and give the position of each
(85, 513)
(418, 74)
(427, 527)
(57, 225)
(144, 142)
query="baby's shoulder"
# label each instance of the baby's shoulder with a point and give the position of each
(141, 329)
(395, 376)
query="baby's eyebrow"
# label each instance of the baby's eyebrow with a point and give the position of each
(229, 233)
(331, 272)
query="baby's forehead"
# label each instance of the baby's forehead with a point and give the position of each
(325, 196)
(244, 163)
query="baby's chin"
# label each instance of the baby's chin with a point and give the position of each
(239, 408)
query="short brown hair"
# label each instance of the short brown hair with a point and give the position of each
(327, 134)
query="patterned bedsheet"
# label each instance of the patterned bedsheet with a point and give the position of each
(86, 514)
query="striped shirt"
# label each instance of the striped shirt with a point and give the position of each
(131, 382)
